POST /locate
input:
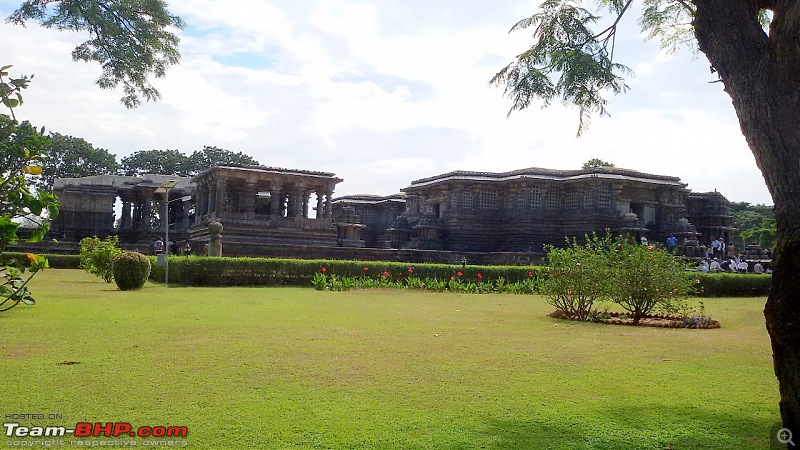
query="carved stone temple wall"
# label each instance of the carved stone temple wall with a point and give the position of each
(87, 208)
(265, 205)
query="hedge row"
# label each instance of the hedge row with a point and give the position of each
(55, 261)
(734, 284)
(210, 271)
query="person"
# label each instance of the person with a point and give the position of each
(730, 250)
(672, 242)
(151, 248)
(714, 267)
(173, 248)
(159, 246)
(704, 266)
(742, 267)
(725, 265)
(721, 247)
(644, 240)
(758, 268)
(715, 248)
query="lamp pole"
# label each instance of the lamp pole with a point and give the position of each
(165, 188)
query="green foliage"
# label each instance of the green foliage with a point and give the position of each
(98, 255)
(756, 223)
(131, 270)
(72, 157)
(568, 60)
(55, 261)
(131, 39)
(643, 276)
(596, 163)
(14, 282)
(577, 276)
(173, 162)
(20, 157)
(733, 284)
(636, 277)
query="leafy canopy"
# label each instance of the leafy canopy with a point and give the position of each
(572, 58)
(130, 39)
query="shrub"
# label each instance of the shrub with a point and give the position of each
(577, 276)
(643, 276)
(56, 261)
(97, 256)
(131, 270)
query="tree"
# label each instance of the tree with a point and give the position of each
(130, 39)
(164, 162)
(753, 47)
(595, 163)
(20, 155)
(201, 160)
(173, 162)
(755, 223)
(72, 157)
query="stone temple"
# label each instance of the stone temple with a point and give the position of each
(287, 212)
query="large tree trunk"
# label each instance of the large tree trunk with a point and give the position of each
(762, 76)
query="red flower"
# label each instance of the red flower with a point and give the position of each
(649, 247)
(366, 269)
(569, 292)
(480, 277)
(323, 270)
(385, 273)
(459, 273)
(410, 270)
(530, 274)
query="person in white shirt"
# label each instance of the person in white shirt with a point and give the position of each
(704, 266)
(714, 267)
(742, 267)
(758, 268)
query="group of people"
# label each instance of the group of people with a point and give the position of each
(735, 264)
(157, 247)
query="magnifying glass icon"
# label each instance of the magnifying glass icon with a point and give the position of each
(785, 436)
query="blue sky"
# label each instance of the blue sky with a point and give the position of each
(385, 92)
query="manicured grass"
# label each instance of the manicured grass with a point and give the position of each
(298, 368)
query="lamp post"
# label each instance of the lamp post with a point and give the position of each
(165, 188)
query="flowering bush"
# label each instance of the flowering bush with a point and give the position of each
(577, 276)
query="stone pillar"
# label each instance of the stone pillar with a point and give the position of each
(248, 200)
(215, 239)
(146, 209)
(276, 198)
(306, 200)
(125, 220)
(328, 206)
(320, 214)
(222, 198)
(212, 199)
(291, 202)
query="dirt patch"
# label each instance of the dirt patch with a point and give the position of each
(646, 321)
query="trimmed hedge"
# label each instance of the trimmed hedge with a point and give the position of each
(223, 271)
(734, 284)
(56, 261)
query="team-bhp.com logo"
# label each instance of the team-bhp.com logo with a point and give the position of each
(86, 429)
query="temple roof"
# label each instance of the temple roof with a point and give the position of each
(268, 169)
(609, 173)
(370, 198)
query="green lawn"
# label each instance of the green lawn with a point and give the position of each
(298, 368)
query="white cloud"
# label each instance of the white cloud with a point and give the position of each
(385, 92)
